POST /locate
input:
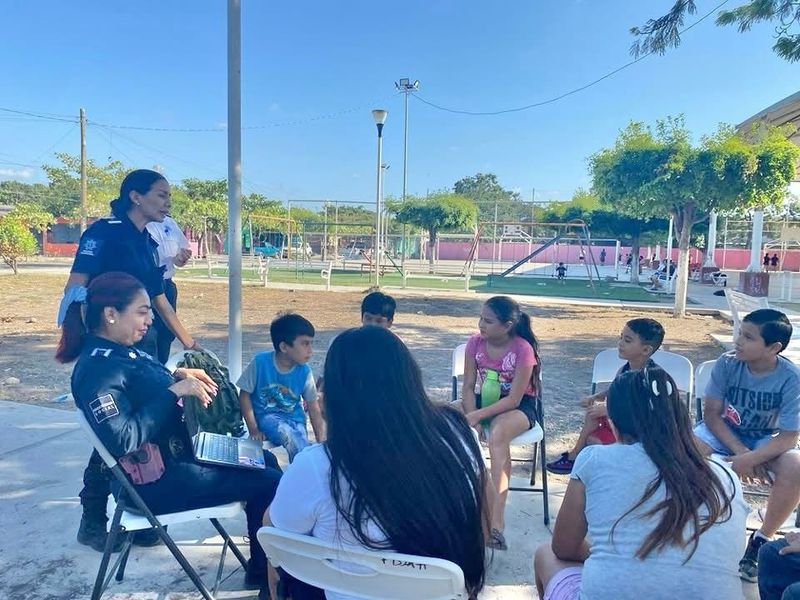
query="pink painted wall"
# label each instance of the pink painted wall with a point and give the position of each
(733, 258)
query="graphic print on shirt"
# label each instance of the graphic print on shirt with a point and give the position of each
(752, 410)
(279, 396)
(506, 374)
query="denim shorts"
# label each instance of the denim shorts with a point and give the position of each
(704, 434)
(527, 405)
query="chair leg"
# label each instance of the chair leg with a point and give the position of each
(234, 548)
(220, 568)
(545, 496)
(533, 464)
(123, 562)
(100, 582)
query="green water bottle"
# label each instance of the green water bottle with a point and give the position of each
(490, 391)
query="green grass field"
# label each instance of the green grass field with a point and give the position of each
(533, 286)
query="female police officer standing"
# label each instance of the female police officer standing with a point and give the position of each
(130, 399)
(121, 243)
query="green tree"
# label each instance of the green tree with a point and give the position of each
(15, 192)
(64, 186)
(436, 213)
(632, 230)
(32, 216)
(486, 192)
(16, 241)
(661, 174)
(657, 35)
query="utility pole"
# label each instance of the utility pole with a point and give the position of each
(84, 183)
(405, 86)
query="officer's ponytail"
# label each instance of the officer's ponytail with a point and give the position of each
(140, 180)
(115, 289)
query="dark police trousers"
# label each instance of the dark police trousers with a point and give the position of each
(165, 336)
(94, 495)
(187, 485)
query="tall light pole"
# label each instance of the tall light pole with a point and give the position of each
(380, 118)
(235, 188)
(406, 87)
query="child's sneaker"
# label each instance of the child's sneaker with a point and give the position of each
(748, 566)
(562, 466)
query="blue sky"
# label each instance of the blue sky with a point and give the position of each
(163, 64)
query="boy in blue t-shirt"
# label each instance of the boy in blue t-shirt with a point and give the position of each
(751, 410)
(274, 384)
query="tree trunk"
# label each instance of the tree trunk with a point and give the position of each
(683, 222)
(635, 249)
(432, 234)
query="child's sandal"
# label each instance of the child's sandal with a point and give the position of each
(497, 540)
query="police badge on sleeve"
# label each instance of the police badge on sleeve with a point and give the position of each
(89, 247)
(103, 408)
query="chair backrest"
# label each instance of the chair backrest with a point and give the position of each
(361, 572)
(457, 368)
(702, 376)
(95, 441)
(607, 363)
(740, 305)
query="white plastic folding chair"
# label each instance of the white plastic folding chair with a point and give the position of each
(357, 571)
(702, 376)
(607, 364)
(533, 437)
(125, 520)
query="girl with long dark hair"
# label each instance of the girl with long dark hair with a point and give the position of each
(664, 522)
(396, 471)
(506, 350)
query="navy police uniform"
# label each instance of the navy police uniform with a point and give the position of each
(124, 394)
(115, 244)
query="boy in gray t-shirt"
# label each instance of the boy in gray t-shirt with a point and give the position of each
(751, 409)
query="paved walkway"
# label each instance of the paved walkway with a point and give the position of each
(42, 456)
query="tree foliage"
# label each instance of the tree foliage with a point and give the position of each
(486, 192)
(662, 33)
(659, 173)
(64, 186)
(16, 241)
(32, 216)
(440, 212)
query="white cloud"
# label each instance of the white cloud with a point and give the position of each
(16, 173)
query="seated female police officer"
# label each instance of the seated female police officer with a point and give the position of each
(122, 243)
(131, 399)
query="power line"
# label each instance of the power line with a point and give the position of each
(571, 92)
(44, 116)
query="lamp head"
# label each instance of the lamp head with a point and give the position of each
(380, 116)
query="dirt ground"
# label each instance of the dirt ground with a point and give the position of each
(431, 326)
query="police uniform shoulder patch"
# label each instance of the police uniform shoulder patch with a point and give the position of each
(90, 247)
(104, 352)
(103, 408)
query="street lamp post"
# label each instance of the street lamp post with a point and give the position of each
(380, 118)
(406, 87)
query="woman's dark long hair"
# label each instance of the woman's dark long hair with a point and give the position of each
(508, 310)
(412, 467)
(115, 289)
(140, 180)
(645, 407)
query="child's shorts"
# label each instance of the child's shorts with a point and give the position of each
(603, 432)
(527, 405)
(704, 434)
(565, 585)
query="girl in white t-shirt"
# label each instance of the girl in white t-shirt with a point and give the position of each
(663, 521)
(396, 471)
